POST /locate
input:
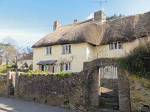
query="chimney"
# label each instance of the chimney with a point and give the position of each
(75, 21)
(100, 16)
(56, 25)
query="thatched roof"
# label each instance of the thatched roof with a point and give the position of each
(90, 31)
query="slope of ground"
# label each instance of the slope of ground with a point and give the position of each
(140, 92)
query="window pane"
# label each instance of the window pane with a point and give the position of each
(120, 45)
(111, 46)
(50, 50)
(63, 49)
(69, 66)
(66, 49)
(46, 50)
(115, 45)
(66, 66)
(69, 48)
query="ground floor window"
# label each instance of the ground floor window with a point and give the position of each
(49, 68)
(65, 66)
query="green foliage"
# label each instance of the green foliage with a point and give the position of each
(31, 67)
(38, 72)
(4, 69)
(138, 62)
(64, 74)
(35, 72)
(140, 92)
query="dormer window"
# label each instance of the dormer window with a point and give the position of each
(115, 45)
(66, 49)
(48, 50)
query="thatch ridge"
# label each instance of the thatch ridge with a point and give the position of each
(92, 32)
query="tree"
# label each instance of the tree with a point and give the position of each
(8, 53)
(8, 41)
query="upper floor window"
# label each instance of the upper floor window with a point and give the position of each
(115, 45)
(66, 49)
(48, 50)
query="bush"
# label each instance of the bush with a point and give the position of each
(138, 62)
(64, 74)
(38, 72)
(35, 72)
(4, 68)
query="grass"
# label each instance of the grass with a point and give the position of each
(140, 91)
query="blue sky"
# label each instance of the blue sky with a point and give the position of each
(29, 20)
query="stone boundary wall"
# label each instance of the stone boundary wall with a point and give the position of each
(72, 92)
(3, 85)
(79, 91)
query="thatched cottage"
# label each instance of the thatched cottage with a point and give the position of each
(68, 47)
(25, 61)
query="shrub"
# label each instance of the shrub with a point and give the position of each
(38, 72)
(64, 74)
(35, 72)
(4, 68)
(138, 62)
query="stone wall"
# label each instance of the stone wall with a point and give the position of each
(3, 85)
(74, 91)
(79, 91)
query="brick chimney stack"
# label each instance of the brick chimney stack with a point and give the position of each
(56, 25)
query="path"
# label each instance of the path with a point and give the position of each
(13, 105)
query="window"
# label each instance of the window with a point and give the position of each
(111, 46)
(65, 67)
(48, 50)
(120, 45)
(115, 45)
(66, 49)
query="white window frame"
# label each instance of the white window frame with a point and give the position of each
(115, 45)
(66, 66)
(66, 49)
(49, 50)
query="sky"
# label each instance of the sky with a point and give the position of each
(27, 21)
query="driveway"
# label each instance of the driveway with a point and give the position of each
(13, 105)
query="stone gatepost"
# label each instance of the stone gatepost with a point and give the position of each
(124, 92)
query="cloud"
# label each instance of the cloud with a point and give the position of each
(90, 16)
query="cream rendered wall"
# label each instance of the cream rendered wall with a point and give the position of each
(84, 52)
(78, 56)
(103, 51)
